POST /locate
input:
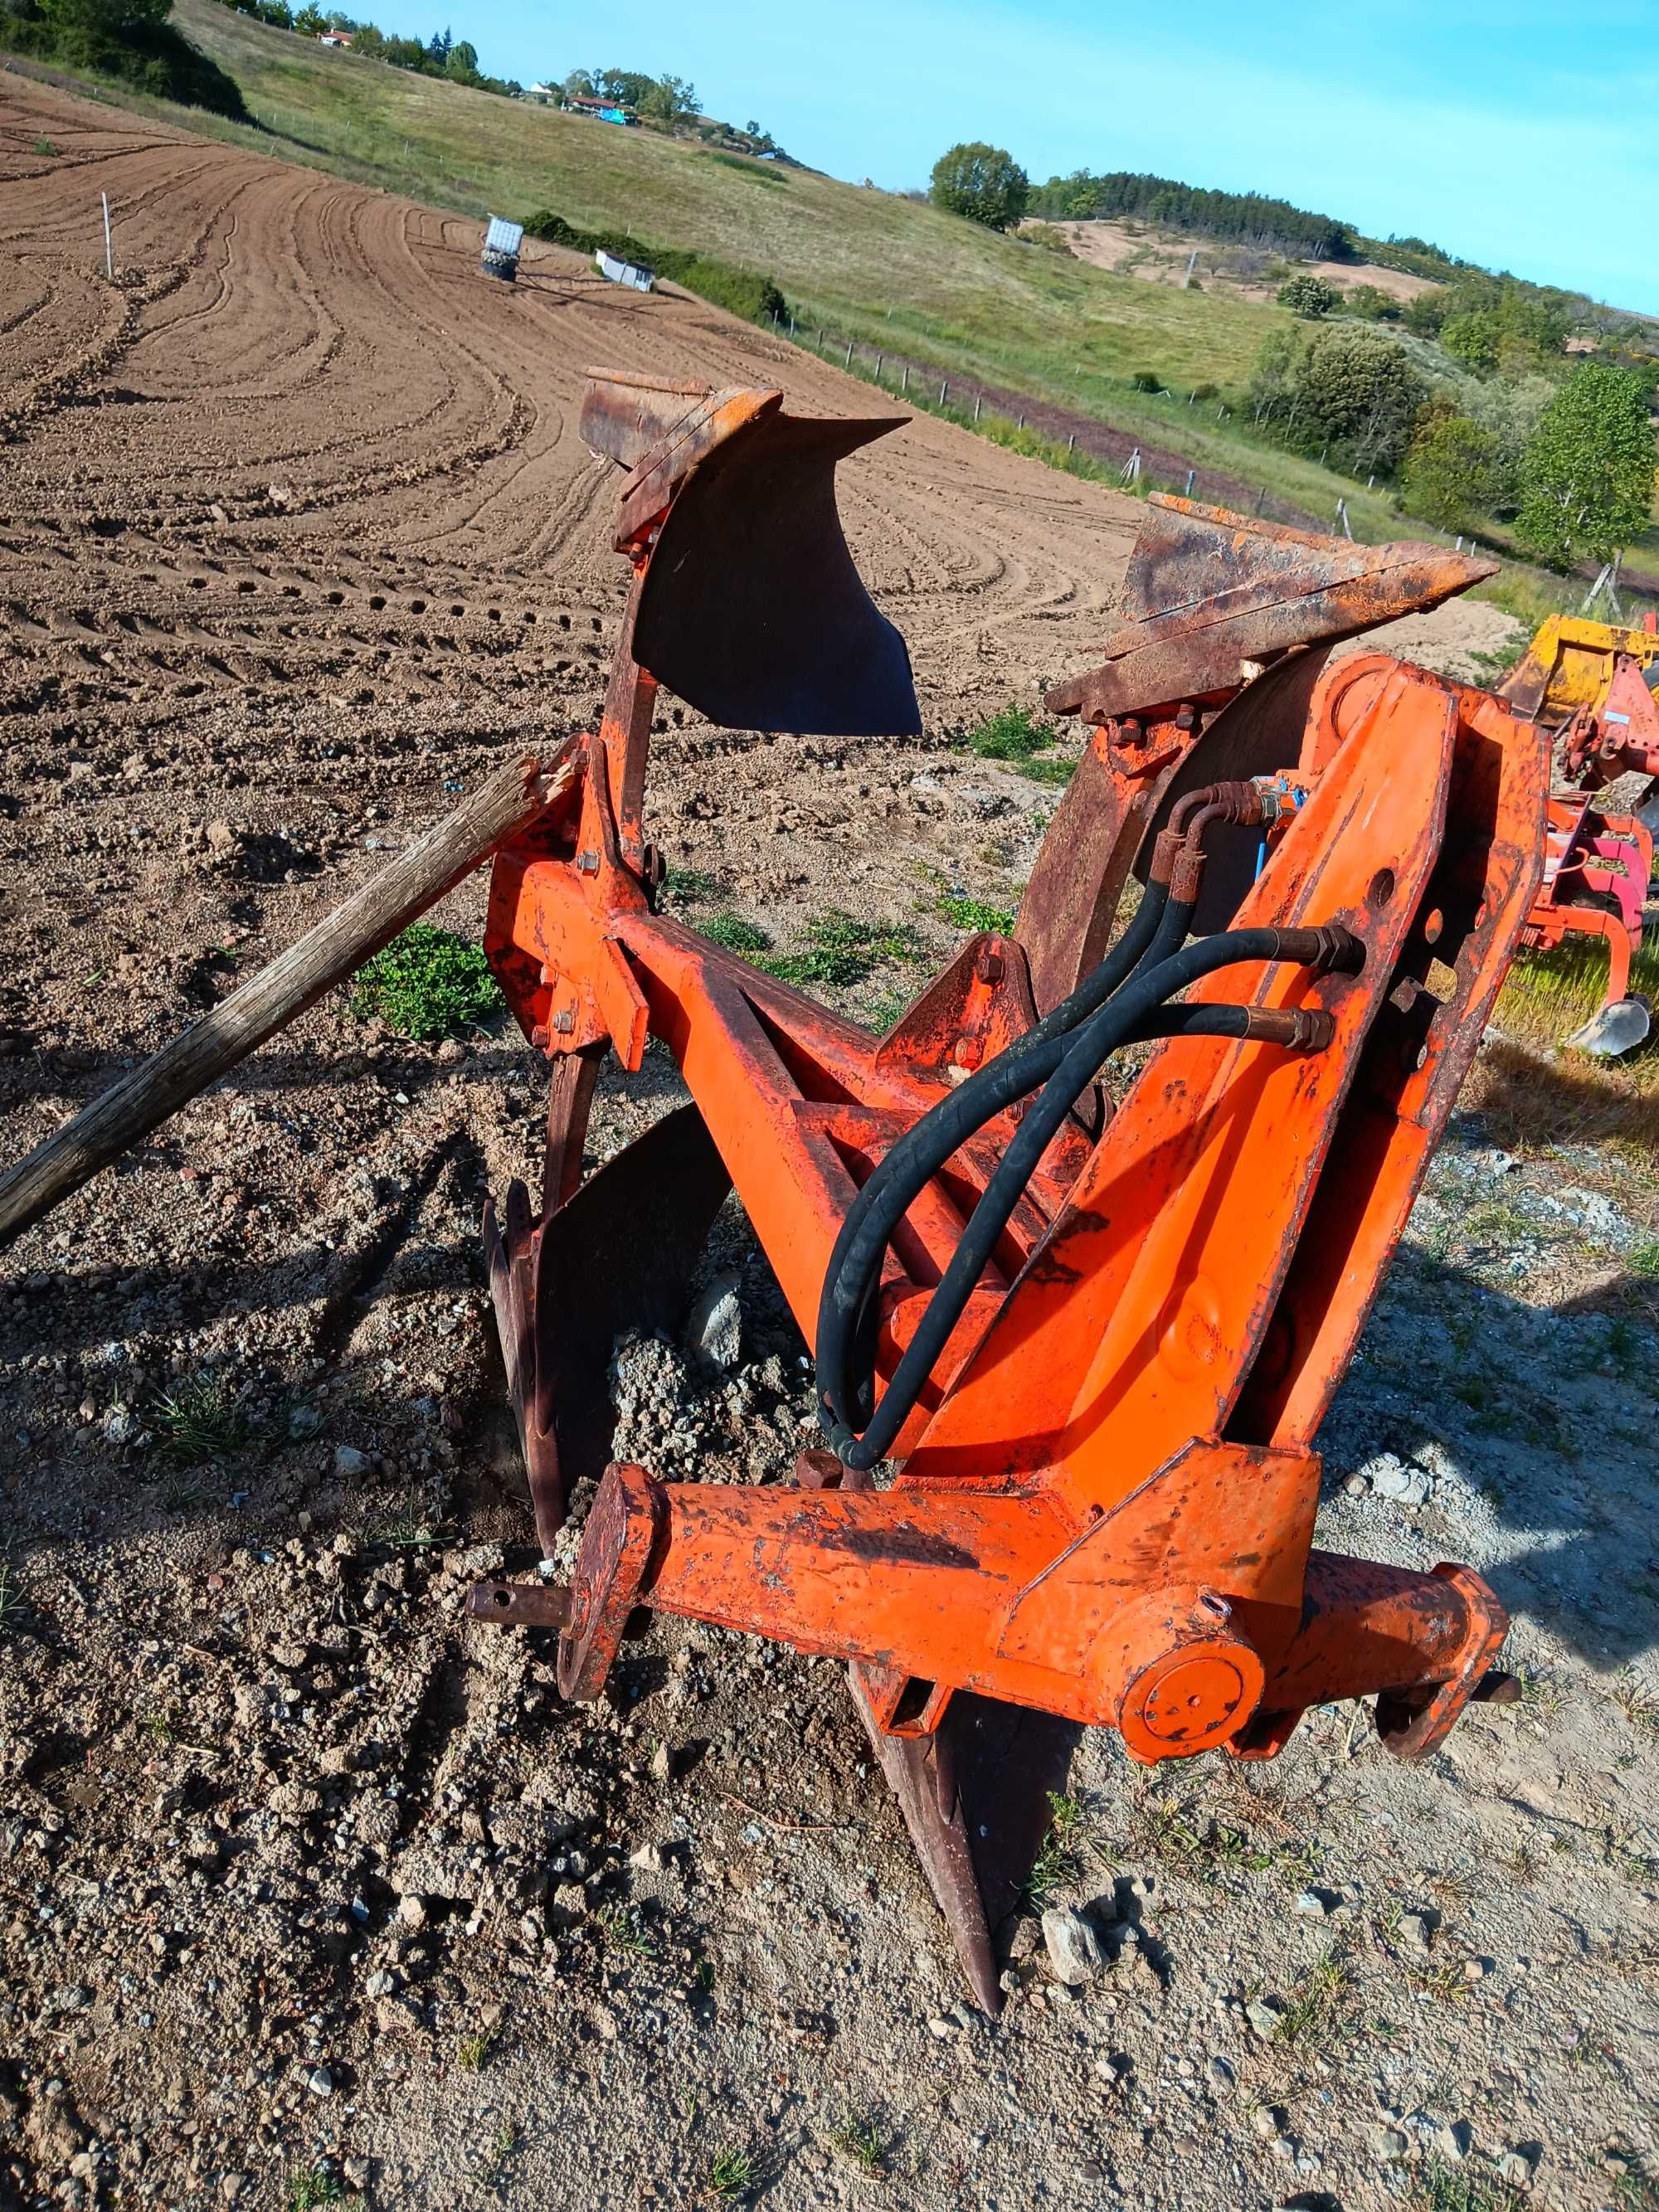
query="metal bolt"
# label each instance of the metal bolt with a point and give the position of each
(968, 1052)
(564, 1023)
(587, 864)
(989, 966)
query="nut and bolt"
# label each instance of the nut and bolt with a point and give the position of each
(990, 966)
(588, 863)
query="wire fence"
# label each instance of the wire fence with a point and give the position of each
(1063, 437)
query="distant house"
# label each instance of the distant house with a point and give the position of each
(334, 38)
(542, 93)
(602, 111)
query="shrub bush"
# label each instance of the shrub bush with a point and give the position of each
(1308, 296)
(742, 292)
(138, 47)
(1145, 379)
(426, 984)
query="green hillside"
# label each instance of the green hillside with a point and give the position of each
(940, 288)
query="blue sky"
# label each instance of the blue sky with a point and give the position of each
(1523, 135)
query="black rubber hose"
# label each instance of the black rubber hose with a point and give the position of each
(847, 1303)
(1086, 1047)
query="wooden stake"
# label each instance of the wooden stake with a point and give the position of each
(502, 806)
(109, 251)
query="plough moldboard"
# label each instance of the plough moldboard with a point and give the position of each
(1073, 1348)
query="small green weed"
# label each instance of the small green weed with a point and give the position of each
(1636, 1701)
(862, 2143)
(160, 1725)
(689, 887)
(1012, 737)
(1644, 1259)
(12, 1607)
(736, 934)
(975, 914)
(842, 951)
(45, 149)
(410, 1531)
(472, 2051)
(198, 1420)
(732, 2175)
(1318, 2014)
(1442, 2188)
(308, 2186)
(625, 1930)
(1059, 1858)
(427, 984)
(1634, 2190)
(881, 1013)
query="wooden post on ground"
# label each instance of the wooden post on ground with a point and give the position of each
(109, 251)
(979, 398)
(502, 806)
(943, 390)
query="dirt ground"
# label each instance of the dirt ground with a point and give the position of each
(310, 1891)
(1147, 249)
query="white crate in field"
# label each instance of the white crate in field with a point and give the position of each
(623, 272)
(503, 237)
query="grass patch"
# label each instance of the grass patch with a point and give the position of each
(197, 1421)
(12, 1607)
(1060, 1856)
(472, 2051)
(736, 934)
(1317, 2016)
(842, 951)
(45, 149)
(427, 984)
(1013, 738)
(308, 2186)
(624, 1930)
(689, 887)
(1643, 1259)
(732, 2174)
(862, 2144)
(1443, 2188)
(975, 914)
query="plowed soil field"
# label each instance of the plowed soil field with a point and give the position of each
(310, 1891)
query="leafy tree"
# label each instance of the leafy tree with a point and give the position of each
(462, 62)
(1587, 479)
(1451, 473)
(624, 88)
(1509, 409)
(1308, 295)
(1359, 390)
(114, 19)
(1425, 315)
(668, 99)
(310, 23)
(438, 45)
(368, 39)
(983, 183)
(1345, 386)
(579, 85)
(1372, 304)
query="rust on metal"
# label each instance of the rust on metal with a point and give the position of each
(1102, 1496)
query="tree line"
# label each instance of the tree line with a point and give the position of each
(1251, 217)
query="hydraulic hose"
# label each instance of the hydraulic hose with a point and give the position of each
(847, 1304)
(1323, 950)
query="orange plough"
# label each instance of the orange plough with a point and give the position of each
(1075, 1333)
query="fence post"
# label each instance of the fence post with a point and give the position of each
(792, 326)
(1071, 443)
(1342, 517)
(904, 380)
(978, 397)
(880, 359)
(1020, 425)
(848, 363)
(109, 255)
(1261, 499)
(943, 390)
(1191, 473)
